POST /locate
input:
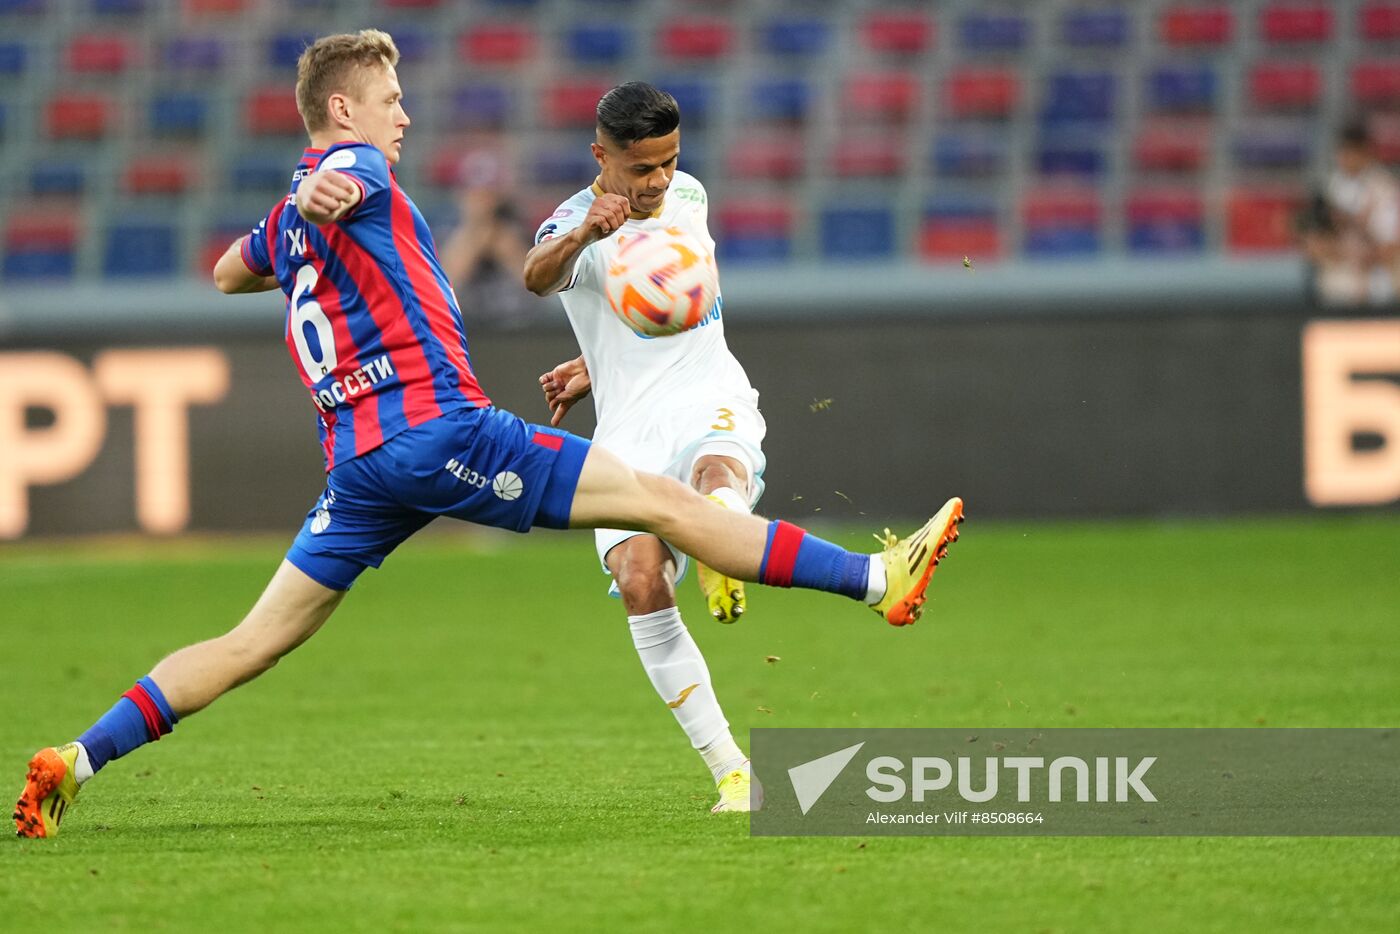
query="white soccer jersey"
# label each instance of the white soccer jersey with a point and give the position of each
(637, 380)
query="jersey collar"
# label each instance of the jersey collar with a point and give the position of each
(635, 215)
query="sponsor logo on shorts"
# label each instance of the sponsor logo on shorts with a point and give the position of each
(507, 485)
(464, 473)
(322, 520)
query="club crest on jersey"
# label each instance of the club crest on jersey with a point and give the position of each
(546, 233)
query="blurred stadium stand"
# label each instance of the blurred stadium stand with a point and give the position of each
(875, 131)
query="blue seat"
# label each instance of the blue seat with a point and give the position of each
(415, 45)
(481, 105)
(1071, 153)
(1166, 237)
(57, 178)
(1079, 97)
(194, 53)
(119, 7)
(14, 58)
(179, 113)
(597, 43)
(1181, 88)
(22, 6)
(285, 49)
(39, 264)
(961, 208)
(781, 99)
(994, 31)
(694, 96)
(573, 165)
(795, 36)
(969, 154)
(1056, 241)
(857, 232)
(1273, 148)
(1095, 28)
(262, 172)
(139, 248)
(755, 248)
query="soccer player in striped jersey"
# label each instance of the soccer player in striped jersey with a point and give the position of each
(375, 332)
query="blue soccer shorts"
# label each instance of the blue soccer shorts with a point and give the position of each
(483, 465)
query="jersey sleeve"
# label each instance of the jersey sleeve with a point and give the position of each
(255, 252)
(564, 220)
(366, 167)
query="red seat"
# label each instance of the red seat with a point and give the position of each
(892, 97)
(1261, 221)
(1376, 83)
(272, 111)
(412, 4)
(695, 38)
(953, 239)
(756, 218)
(1285, 85)
(1168, 204)
(79, 116)
(905, 32)
(497, 44)
(1055, 207)
(158, 175)
(100, 54)
(36, 230)
(769, 157)
(1197, 25)
(1172, 145)
(982, 92)
(572, 102)
(1296, 22)
(1380, 22)
(1385, 137)
(869, 156)
(216, 6)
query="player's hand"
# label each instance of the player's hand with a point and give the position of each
(607, 213)
(563, 386)
(323, 197)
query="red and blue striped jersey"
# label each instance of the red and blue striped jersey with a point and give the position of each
(372, 323)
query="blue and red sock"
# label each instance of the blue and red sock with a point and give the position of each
(793, 557)
(141, 716)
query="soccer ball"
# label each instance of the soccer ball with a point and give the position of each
(661, 282)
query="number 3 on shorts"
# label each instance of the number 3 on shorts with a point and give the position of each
(724, 420)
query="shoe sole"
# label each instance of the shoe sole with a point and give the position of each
(46, 770)
(736, 610)
(906, 612)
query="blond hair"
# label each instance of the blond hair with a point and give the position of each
(334, 65)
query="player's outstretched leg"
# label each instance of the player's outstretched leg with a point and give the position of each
(289, 611)
(612, 495)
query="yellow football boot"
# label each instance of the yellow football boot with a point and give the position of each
(724, 596)
(909, 564)
(49, 790)
(739, 791)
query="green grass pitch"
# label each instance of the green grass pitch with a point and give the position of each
(470, 743)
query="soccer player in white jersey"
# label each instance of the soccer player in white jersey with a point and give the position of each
(681, 406)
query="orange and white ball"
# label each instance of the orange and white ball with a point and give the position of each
(661, 282)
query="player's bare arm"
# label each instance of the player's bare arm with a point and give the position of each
(326, 197)
(564, 385)
(233, 277)
(547, 266)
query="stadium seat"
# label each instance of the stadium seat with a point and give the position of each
(954, 229)
(415, 44)
(784, 99)
(994, 31)
(1273, 147)
(973, 92)
(777, 156)
(412, 4)
(158, 175)
(695, 96)
(139, 248)
(754, 231)
(95, 54)
(480, 106)
(1376, 83)
(1171, 146)
(1078, 153)
(1296, 22)
(74, 115)
(1278, 86)
(119, 7)
(572, 164)
(1165, 222)
(14, 58)
(902, 32)
(194, 53)
(262, 172)
(40, 244)
(50, 178)
(572, 102)
(215, 7)
(1261, 221)
(272, 111)
(1196, 25)
(1079, 97)
(969, 154)
(892, 97)
(1094, 28)
(284, 49)
(179, 113)
(1061, 222)
(857, 232)
(597, 43)
(1380, 22)
(794, 36)
(694, 38)
(497, 44)
(27, 7)
(1181, 89)
(1385, 137)
(868, 155)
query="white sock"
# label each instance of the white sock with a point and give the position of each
(677, 670)
(82, 766)
(723, 757)
(875, 588)
(731, 498)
